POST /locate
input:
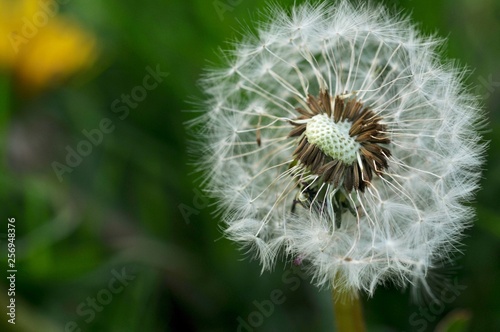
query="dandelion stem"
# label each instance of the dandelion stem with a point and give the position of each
(348, 312)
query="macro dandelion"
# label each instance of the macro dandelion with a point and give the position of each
(336, 135)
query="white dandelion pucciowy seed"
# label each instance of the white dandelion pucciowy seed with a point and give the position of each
(336, 134)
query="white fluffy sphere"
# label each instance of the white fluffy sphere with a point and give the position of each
(389, 206)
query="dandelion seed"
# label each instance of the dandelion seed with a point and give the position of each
(335, 134)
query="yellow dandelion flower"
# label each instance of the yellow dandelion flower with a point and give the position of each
(42, 48)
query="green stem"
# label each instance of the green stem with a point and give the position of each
(348, 313)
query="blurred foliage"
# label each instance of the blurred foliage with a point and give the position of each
(122, 209)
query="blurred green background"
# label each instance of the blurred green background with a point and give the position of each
(128, 227)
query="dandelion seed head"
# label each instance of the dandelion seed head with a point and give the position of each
(337, 136)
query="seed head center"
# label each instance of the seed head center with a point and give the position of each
(342, 141)
(332, 138)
